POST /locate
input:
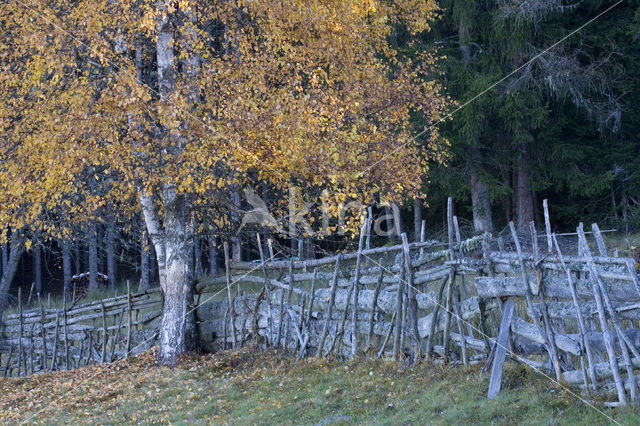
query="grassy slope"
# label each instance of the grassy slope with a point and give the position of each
(251, 386)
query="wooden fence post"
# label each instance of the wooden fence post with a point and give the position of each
(129, 320)
(282, 311)
(608, 338)
(622, 337)
(452, 273)
(356, 289)
(44, 336)
(329, 313)
(21, 331)
(411, 297)
(547, 225)
(104, 334)
(501, 348)
(582, 327)
(227, 272)
(267, 290)
(543, 305)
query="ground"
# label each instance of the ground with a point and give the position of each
(252, 386)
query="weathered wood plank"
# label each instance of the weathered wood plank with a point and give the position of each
(501, 349)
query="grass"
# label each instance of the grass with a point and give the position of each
(255, 387)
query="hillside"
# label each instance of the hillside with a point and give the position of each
(251, 386)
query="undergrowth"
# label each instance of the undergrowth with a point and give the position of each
(252, 386)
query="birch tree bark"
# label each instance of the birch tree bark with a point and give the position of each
(5, 256)
(144, 261)
(173, 236)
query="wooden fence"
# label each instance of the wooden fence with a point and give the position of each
(561, 309)
(40, 339)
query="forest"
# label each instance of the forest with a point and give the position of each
(137, 137)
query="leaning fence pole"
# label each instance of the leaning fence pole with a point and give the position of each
(227, 273)
(341, 326)
(104, 334)
(367, 243)
(625, 343)
(376, 294)
(54, 355)
(332, 297)
(607, 301)
(581, 324)
(115, 340)
(129, 320)
(31, 344)
(6, 366)
(463, 280)
(21, 331)
(547, 225)
(267, 290)
(608, 338)
(66, 332)
(44, 335)
(422, 231)
(543, 304)
(386, 338)
(434, 316)
(33, 286)
(412, 304)
(602, 248)
(399, 325)
(452, 274)
(287, 324)
(313, 295)
(528, 292)
(356, 289)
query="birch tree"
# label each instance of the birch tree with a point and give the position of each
(180, 101)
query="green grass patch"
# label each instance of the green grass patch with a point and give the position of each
(255, 387)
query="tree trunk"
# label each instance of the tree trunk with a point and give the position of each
(523, 191)
(112, 271)
(5, 256)
(417, 219)
(213, 254)
(66, 268)
(197, 254)
(174, 248)
(77, 258)
(144, 261)
(37, 267)
(236, 250)
(173, 236)
(13, 258)
(93, 256)
(480, 202)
